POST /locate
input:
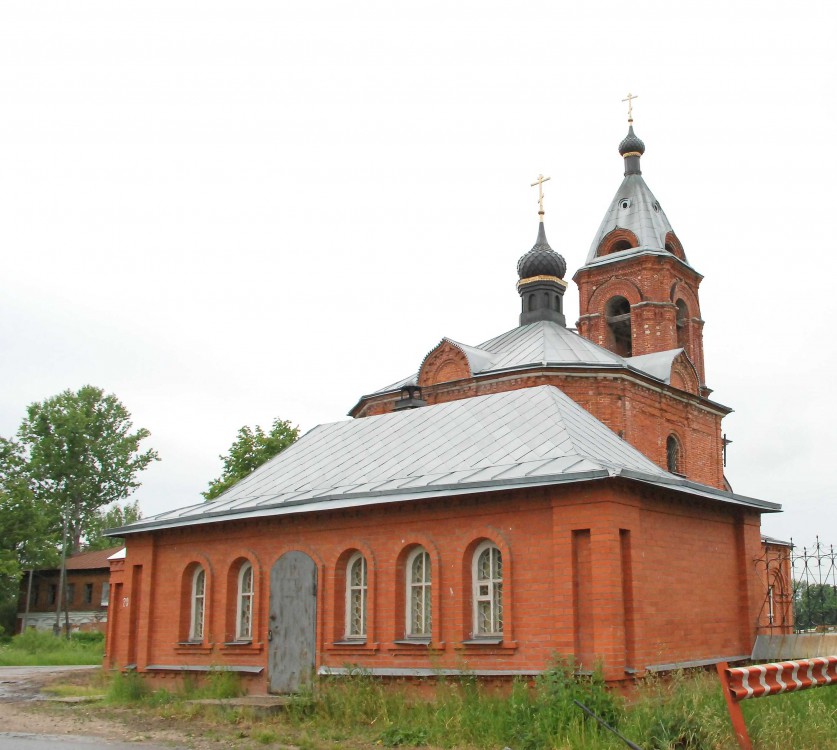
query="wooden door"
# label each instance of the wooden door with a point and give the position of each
(292, 622)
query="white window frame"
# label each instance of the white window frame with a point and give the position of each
(353, 591)
(245, 599)
(105, 600)
(492, 583)
(418, 590)
(198, 614)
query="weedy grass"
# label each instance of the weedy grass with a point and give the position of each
(684, 711)
(127, 688)
(37, 648)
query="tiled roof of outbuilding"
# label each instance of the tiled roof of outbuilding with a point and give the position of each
(91, 560)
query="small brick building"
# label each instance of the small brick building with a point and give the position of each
(88, 593)
(544, 492)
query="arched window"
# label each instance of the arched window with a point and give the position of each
(618, 314)
(198, 604)
(418, 594)
(531, 302)
(674, 459)
(244, 604)
(356, 588)
(682, 321)
(487, 578)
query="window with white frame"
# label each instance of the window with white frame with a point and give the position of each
(356, 588)
(418, 594)
(244, 608)
(487, 578)
(198, 604)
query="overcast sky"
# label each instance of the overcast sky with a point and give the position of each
(225, 212)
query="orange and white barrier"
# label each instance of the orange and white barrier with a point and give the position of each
(760, 680)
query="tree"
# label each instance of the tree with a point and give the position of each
(814, 605)
(26, 540)
(81, 455)
(111, 518)
(250, 450)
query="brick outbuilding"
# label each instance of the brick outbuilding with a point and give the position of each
(85, 603)
(547, 492)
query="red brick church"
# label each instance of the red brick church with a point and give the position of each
(544, 492)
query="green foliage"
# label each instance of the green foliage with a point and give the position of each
(684, 711)
(466, 713)
(41, 648)
(113, 517)
(265, 736)
(94, 637)
(218, 684)
(126, 688)
(26, 537)
(81, 455)
(251, 448)
(814, 604)
(397, 737)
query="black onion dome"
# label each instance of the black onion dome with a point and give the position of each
(541, 260)
(631, 143)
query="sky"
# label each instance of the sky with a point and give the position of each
(227, 212)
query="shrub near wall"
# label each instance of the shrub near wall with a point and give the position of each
(38, 648)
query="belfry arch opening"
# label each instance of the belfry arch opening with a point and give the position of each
(682, 324)
(618, 314)
(617, 241)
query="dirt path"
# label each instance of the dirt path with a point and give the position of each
(23, 709)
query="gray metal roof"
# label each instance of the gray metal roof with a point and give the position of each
(528, 437)
(547, 343)
(634, 207)
(657, 364)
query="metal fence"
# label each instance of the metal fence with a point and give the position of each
(814, 587)
(800, 588)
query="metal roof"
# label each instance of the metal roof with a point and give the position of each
(529, 437)
(547, 343)
(634, 207)
(657, 364)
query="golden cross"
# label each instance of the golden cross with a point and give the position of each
(630, 99)
(539, 183)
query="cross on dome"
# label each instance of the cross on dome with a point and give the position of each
(540, 181)
(630, 99)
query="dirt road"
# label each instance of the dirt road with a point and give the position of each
(26, 725)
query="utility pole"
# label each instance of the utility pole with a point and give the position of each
(56, 629)
(28, 600)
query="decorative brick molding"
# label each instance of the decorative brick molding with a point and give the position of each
(615, 241)
(445, 363)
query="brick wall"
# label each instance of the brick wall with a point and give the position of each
(85, 589)
(604, 571)
(653, 285)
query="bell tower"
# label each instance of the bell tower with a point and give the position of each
(638, 293)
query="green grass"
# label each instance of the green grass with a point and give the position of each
(685, 711)
(36, 648)
(127, 688)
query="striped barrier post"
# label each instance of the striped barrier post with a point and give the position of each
(760, 680)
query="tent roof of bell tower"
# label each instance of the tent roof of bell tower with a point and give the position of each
(634, 209)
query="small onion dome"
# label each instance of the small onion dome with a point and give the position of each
(631, 144)
(541, 260)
